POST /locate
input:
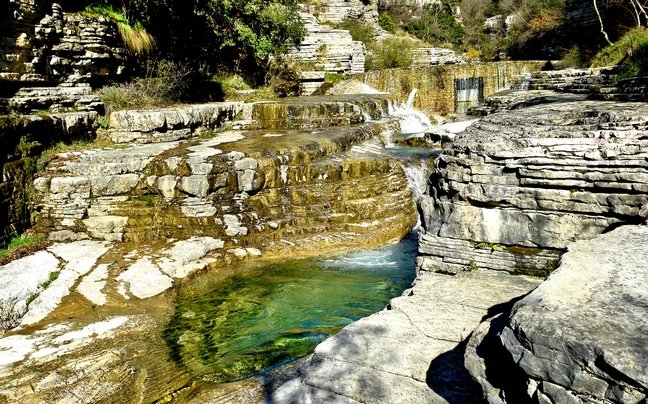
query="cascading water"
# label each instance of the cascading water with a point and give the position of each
(417, 174)
(264, 316)
(411, 120)
(525, 82)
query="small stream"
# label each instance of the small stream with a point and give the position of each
(266, 315)
(229, 329)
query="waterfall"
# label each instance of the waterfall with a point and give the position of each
(524, 83)
(410, 99)
(468, 92)
(418, 173)
(412, 121)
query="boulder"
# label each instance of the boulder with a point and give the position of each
(580, 337)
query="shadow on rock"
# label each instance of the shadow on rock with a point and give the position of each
(449, 378)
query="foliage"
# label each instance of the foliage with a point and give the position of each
(386, 23)
(12, 250)
(165, 83)
(437, 26)
(135, 36)
(630, 51)
(283, 79)
(391, 53)
(481, 41)
(360, 31)
(572, 58)
(331, 77)
(536, 23)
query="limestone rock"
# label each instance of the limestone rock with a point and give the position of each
(582, 333)
(410, 352)
(169, 124)
(540, 177)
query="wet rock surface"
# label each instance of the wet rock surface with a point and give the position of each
(538, 178)
(580, 336)
(410, 352)
(270, 189)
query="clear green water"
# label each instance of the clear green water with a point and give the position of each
(229, 329)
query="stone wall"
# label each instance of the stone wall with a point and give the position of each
(436, 85)
(41, 45)
(23, 140)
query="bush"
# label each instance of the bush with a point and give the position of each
(386, 23)
(630, 51)
(391, 53)
(437, 26)
(283, 79)
(572, 58)
(359, 31)
(165, 83)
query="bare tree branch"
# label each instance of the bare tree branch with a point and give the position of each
(601, 22)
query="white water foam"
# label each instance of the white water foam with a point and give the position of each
(412, 121)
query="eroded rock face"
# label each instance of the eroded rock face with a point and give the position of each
(539, 178)
(45, 44)
(580, 336)
(269, 189)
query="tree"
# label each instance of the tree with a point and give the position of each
(437, 25)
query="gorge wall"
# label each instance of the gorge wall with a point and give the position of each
(40, 43)
(533, 181)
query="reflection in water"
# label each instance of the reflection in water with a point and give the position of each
(229, 329)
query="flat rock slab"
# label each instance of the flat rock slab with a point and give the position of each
(583, 332)
(411, 352)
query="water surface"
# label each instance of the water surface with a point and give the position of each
(229, 329)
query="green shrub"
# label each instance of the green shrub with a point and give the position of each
(437, 26)
(391, 53)
(386, 23)
(165, 83)
(572, 58)
(630, 51)
(359, 31)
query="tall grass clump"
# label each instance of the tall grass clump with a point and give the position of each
(22, 245)
(164, 83)
(135, 36)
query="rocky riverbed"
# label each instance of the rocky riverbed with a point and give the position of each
(512, 193)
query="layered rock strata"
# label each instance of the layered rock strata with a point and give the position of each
(23, 140)
(580, 337)
(533, 182)
(277, 189)
(332, 49)
(56, 100)
(56, 47)
(171, 124)
(410, 352)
